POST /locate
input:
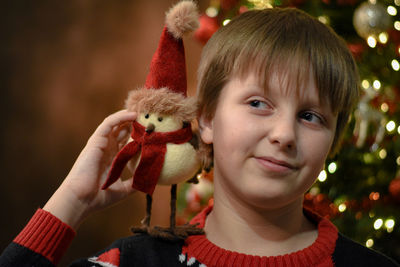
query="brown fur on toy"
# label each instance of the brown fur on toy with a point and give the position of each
(182, 18)
(162, 101)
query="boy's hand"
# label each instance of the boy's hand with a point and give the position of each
(80, 193)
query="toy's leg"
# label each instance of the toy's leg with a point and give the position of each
(146, 220)
(168, 233)
(145, 228)
(174, 232)
(173, 208)
(180, 231)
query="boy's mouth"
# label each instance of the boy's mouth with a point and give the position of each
(276, 165)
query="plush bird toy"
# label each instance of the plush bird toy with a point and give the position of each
(162, 150)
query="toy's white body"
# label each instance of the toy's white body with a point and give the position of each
(181, 160)
(180, 164)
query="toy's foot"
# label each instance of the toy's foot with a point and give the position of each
(180, 232)
(183, 231)
(140, 230)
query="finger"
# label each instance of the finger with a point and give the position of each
(122, 131)
(122, 189)
(123, 136)
(120, 117)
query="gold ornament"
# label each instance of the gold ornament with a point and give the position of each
(371, 19)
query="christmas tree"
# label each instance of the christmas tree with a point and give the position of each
(359, 189)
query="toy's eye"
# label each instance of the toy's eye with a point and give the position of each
(160, 119)
(146, 116)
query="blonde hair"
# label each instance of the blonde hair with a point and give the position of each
(285, 40)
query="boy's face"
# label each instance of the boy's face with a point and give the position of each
(269, 145)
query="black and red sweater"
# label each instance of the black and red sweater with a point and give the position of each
(45, 239)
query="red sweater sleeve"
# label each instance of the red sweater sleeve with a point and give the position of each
(45, 234)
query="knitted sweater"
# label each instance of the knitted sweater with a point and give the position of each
(44, 240)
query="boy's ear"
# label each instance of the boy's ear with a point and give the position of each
(206, 130)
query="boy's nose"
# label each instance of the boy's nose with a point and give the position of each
(283, 133)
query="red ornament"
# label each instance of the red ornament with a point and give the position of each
(243, 9)
(208, 26)
(321, 205)
(367, 204)
(394, 35)
(394, 189)
(357, 50)
(390, 101)
(228, 4)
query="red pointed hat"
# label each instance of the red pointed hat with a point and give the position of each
(168, 68)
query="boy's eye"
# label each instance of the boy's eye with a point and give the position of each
(146, 116)
(160, 119)
(311, 117)
(258, 104)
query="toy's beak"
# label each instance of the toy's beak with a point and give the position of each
(150, 128)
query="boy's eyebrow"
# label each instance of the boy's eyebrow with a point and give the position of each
(320, 104)
(300, 89)
(313, 103)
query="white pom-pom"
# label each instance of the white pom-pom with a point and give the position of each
(182, 18)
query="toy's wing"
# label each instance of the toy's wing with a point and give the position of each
(120, 161)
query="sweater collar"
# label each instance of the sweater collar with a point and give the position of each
(318, 254)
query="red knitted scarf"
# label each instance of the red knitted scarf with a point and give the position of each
(153, 147)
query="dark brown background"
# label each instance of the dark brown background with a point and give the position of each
(65, 65)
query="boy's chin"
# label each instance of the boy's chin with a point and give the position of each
(272, 201)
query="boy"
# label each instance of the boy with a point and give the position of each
(276, 89)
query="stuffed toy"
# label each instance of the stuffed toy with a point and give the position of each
(162, 149)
